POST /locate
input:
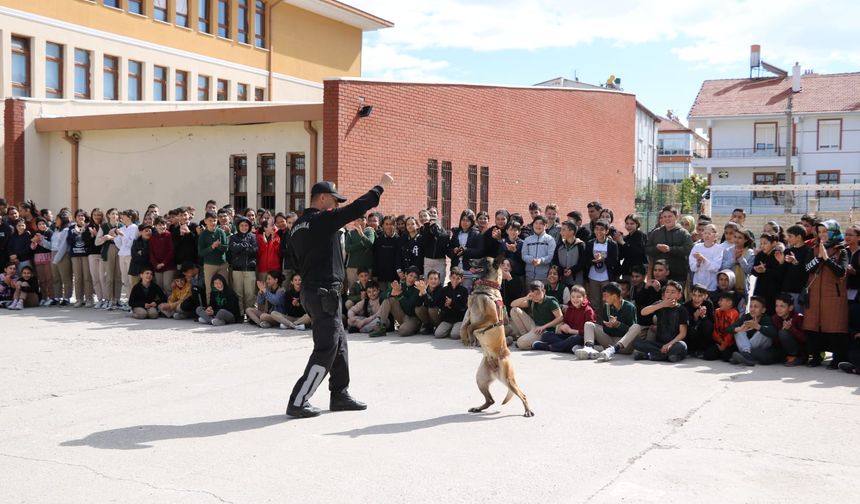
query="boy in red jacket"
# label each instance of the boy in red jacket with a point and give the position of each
(161, 255)
(723, 344)
(789, 323)
(570, 332)
(268, 250)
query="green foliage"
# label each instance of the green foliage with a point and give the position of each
(690, 193)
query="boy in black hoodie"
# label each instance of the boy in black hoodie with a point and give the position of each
(242, 256)
(455, 298)
(223, 306)
(145, 296)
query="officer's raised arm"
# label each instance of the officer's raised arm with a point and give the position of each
(360, 206)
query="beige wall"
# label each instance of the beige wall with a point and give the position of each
(168, 166)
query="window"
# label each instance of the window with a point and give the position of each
(203, 11)
(242, 92)
(260, 24)
(259, 94)
(135, 6)
(827, 177)
(765, 138)
(296, 186)
(111, 78)
(82, 74)
(159, 10)
(202, 87)
(446, 194)
(135, 78)
(159, 83)
(485, 188)
(112, 3)
(181, 87)
(53, 70)
(239, 185)
(769, 179)
(242, 22)
(432, 183)
(224, 18)
(182, 13)
(829, 134)
(473, 188)
(266, 181)
(223, 86)
(20, 66)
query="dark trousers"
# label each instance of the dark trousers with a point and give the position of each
(699, 335)
(330, 349)
(652, 348)
(818, 342)
(712, 352)
(561, 342)
(854, 352)
(791, 345)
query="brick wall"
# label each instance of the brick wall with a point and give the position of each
(549, 145)
(13, 155)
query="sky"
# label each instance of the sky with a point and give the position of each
(661, 50)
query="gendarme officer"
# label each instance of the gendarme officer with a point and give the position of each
(317, 252)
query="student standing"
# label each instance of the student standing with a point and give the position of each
(61, 263)
(212, 249)
(825, 320)
(433, 241)
(359, 249)
(94, 257)
(161, 255)
(386, 253)
(706, 259)
(124, 239)
(569, 254)
(140, 254)
(410, 247)
(41, 245)
(268, 250)
(538, 251)
(768, 271)
(600, 261)
(78, 234)
(632, 245)
(466, 244)
(793, 261)
(112, 287)
(242, 250)
(672, 243)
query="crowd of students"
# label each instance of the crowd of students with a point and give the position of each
(579, 284)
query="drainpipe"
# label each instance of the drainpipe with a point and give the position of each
(74, 138)
(313, 136)
(270, 43)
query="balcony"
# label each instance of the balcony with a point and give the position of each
(746, 157)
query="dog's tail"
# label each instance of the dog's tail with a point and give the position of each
(509, 396)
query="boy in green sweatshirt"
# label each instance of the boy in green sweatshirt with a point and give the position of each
(212, 249)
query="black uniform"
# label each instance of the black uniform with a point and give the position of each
(318, 258)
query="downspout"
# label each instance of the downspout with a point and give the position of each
(74, 138)
(270, 43)
(313, 136)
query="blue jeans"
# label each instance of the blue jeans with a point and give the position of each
(561, 342)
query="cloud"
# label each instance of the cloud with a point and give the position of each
(704, 32)
(385, 61)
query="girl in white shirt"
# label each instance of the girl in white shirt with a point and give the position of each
(706, 259)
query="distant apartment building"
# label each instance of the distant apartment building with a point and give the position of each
(746, 123)
(677, 147)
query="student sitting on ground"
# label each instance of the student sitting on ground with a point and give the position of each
(405, 297)
(8, 285)
(671, 325)
(370, 314)
(571, 332)
(295, 316)
(145, 296)
(789, 327)
(26, 290)
(356, 290)
(452, 310)
(180, 290)
(754, 335)
(223, 307)
(544, 314)
(722, 343)
(615, 328)
(428, 312)
(701, 319)
(188, 308)
(271, 298)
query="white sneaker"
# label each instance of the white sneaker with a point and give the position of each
(300, 327)
(585, 353)
(45, 302)
(606, 355)
(17, 305)
(577, 347)
(283, 326)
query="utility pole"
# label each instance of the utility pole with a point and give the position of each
(789, 196)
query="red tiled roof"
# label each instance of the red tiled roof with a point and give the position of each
(667, 124)
(737, 97)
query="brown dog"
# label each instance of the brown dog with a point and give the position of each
(484, 323)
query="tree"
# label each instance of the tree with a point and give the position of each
(690, 193)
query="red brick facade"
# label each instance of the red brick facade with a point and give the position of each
(13, 159)
(550, 145)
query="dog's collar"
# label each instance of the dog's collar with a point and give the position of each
(487, 283)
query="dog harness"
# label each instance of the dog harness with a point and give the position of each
(500, 305)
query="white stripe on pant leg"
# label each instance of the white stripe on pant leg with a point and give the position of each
(315, 377)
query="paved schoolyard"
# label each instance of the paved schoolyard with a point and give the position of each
(96, 407)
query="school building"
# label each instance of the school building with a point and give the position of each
(250, 102)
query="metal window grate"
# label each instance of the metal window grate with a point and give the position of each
(446, 194)
(432, 183)
(473, 187)
(485, 188)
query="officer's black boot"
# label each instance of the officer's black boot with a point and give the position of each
(303, 411)
(342, 401)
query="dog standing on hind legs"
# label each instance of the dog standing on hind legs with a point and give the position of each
(484, 323)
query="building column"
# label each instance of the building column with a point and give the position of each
(97, 60)
(13, 153)
(193, 13)
(6, 63)
(192, 85)
(146, 81)
(68, 72)
(122, 79)
(37, 67)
